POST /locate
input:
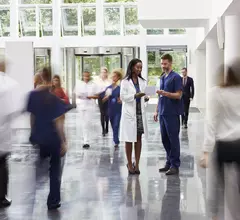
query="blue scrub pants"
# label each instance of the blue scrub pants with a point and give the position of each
(53, 151)
(115, 122)
(170, 127)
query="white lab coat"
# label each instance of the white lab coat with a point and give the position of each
(9, 99)
(128, 124)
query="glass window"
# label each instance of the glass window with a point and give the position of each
(111, 1)
(70, 21)
(79, 1)
(27, 22)
(131, 21)
(177, 31)
(154, 64)
(112, 21)
(35, 1)
(4, 23)
(155, 31)
(46, 18)
(88, 21)
(4, 2)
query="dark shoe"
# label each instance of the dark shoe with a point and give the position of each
(185, 126)
(116, 146)
(5, 203)
(54, 206)
(130, 172)
(86, 146)
(136, 171)
(164, 169)
(172, 171)
(104, 134)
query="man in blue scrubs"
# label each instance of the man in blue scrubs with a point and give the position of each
(169, 109)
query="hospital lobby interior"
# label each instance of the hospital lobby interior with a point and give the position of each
(72, 36)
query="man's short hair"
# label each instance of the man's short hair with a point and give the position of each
(184, 68)
(46, 74)
(167, 57)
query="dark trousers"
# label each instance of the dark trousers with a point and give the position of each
(53, 152)
(3, 175)
(115, 122)
(225, 152)
(103, 106)
(186, 103)
(170, 127)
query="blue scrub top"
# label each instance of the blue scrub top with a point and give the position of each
(172, 83)
(45, 107)
(113, 106)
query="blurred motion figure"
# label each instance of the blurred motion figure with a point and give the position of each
(222, 138)
(86, 90)
(112, 96)
(9, 89)
(103, 82)
(47, 132)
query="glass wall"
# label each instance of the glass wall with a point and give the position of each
(154, 63)
(78, 18)
(4, 18)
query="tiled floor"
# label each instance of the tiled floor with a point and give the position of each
(95, 184)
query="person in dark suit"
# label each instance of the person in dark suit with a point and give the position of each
(188, 94)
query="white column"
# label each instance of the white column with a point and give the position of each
(14, 19)
(214, 60)
(143, 53)
(232, 36)
(200, 80)
(56, 61)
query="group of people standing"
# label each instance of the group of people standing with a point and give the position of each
(121, 100)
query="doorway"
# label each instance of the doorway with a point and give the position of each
(78, 60)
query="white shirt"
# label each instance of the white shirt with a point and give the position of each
(223, 116)
(83, 90)
(103, 84)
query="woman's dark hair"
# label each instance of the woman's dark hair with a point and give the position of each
(131, 65)
(231, 79)
(232, 74)
(58, 78)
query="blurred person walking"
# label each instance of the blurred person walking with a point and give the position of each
(133, 122)
(103, 82)
(221, 149)
(9, 96)
(48, 133)
(86, 90)
(58, 90)
(112, 96)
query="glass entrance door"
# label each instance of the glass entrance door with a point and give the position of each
(93, 64)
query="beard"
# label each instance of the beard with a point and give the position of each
(166, 69)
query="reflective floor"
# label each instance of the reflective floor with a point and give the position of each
(95, 182)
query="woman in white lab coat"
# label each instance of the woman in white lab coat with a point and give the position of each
(133, 121)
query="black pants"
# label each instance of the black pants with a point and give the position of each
(103, 106)
(226, 152)
(3, 174)
(186, 111)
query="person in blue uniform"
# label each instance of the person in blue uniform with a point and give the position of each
(48, 133)
(170, 107)
(112, 96)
